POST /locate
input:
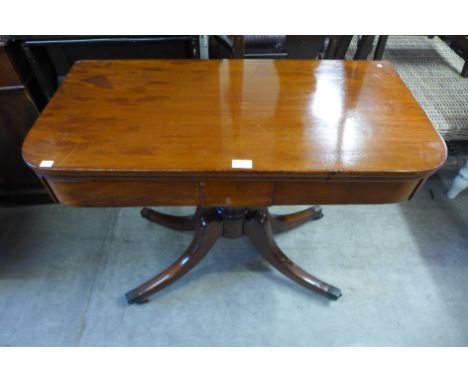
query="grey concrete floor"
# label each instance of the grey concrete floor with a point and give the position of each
(403, 270)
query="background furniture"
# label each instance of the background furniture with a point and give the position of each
(18, 111)
(459, 44)
(309, 47)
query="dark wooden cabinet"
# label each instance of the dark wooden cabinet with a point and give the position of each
(17, 114)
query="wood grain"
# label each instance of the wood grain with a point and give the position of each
(124, 193)
(103, 192)
(235, 193)
(344, 192)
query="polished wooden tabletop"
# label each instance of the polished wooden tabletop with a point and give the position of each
(189, 117)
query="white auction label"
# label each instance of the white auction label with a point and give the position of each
(46, 163)
(241, 163)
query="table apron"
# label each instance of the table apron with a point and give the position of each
(228, 193)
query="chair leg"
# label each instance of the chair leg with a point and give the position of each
(380, 48)
(178, 223)
(364, 47)
(280, 223)
(342, 47)
(258, 229)
(209, 229)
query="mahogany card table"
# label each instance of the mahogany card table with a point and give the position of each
(232, 137)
